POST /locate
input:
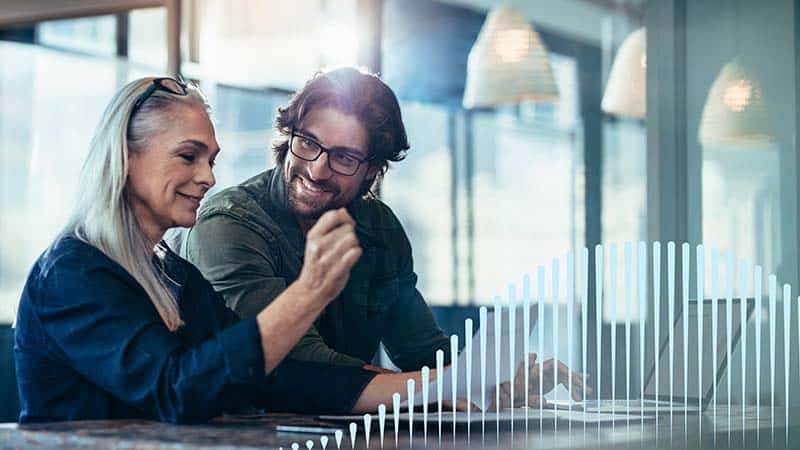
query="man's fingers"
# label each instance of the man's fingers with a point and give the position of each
(346, 262)
(335, 244)
(328, 221)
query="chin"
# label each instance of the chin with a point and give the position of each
(185, 221)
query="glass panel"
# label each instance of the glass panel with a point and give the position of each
(743, 127)
(265, 43)
(418, 191)
(50, 102)
(147, 37)
(93, 35)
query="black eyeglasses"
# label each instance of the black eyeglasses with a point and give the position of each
(341, 161)
(168, 84)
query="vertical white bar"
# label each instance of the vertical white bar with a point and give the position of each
(757, 292)
(584, 315)
(381, 422)
(686, 262)
(396, 416)
(512, 337)
(483, 314)
(468, 349)
(671, 315)
(701, 273)
(367, 428)
(656, 312)
(540, 327)
(454, 374)
(498, 335)
(426, 379)
(628, 252)
(773, 318)
(526, 330)
(353, 430)
(613, 300)
(570, 319)
(729, 324)
(641, 260)
(787, 310)
(410, 387)
(556, 278)
(439, 387)
(598, 318)
(714, 325)
(743, 287)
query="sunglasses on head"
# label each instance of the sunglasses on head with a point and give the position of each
(167, 84)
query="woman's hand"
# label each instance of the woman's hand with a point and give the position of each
(331, 251)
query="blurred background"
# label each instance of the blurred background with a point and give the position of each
(537, 128)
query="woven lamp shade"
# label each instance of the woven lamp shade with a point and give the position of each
(626, 88)
(734, 112)
(508, 63)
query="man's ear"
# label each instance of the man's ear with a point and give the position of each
(372, 172)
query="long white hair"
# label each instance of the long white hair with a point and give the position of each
(103, 216)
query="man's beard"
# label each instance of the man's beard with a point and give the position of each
(306, 208)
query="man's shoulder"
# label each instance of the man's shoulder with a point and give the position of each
(240, 200)
(373, 213)
(383, 225)
(245, 204)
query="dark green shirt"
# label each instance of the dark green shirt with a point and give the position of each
(249, 245)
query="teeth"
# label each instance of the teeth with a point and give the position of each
(310, 187)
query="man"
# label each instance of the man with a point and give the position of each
(336, 137)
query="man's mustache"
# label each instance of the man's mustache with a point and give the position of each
(324, 185)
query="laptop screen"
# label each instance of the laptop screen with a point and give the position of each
(692, 391)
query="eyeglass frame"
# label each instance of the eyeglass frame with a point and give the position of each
(156, 85)
(322, 149)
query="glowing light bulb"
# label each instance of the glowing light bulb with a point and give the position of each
(512, 45)
(738, 95)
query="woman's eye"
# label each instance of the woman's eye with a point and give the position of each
(187, 156)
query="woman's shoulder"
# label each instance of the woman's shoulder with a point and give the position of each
(68, 249)
(70, 258)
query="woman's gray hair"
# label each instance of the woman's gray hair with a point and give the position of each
(103, 216)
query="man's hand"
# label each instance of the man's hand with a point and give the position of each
(331, 251)
(548, 383)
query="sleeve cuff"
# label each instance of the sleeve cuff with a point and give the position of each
(241, 349)
(307, 387)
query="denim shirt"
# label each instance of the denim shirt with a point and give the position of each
(89, 344)
(248, 243)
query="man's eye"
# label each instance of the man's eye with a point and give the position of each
(344, 158)
(187, 156)
(306, 142)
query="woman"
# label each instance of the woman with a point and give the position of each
(112, 324)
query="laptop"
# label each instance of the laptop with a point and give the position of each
(685, 399)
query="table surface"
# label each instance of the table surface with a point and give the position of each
(741, 429)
